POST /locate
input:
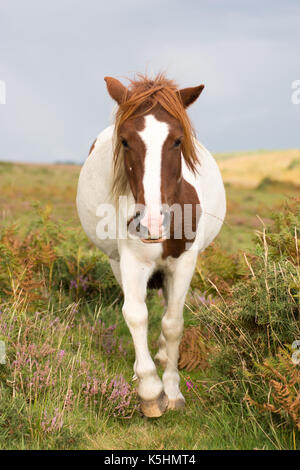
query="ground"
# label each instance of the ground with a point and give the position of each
(78, 338)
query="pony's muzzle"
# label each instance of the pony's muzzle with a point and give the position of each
(149, 228)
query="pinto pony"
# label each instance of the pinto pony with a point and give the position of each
(160, 195)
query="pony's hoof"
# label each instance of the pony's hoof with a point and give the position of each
(155, 408)
(177, 404)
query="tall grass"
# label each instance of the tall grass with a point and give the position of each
(254, 321)
(67, 381)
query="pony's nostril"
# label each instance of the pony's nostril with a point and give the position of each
(141, 230)
(137, 218)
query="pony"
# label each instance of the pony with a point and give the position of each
(151, 197)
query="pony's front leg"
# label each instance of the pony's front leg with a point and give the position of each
(135, 275)
(178, 282)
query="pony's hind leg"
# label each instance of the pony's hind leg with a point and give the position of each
(161, 355)
(178, 282)
(135, 275)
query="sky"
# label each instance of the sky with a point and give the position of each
(55, 54)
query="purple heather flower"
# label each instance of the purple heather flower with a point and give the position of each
(189, 384)
(61, 354)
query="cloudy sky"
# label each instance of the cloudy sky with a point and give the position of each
(54, 55)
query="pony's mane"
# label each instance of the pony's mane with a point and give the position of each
(142, 95)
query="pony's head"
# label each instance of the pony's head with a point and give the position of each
(152, 133)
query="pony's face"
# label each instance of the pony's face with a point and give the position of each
(152, 157)
(152, 152)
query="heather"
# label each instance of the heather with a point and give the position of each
(254, 325)
(67, 381)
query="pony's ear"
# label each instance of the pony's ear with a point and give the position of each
(116, 89)
(189, 95)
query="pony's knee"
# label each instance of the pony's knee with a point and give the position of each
(135, 314)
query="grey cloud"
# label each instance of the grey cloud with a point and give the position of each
(54, 55)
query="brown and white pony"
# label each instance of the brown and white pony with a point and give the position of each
(159, 194)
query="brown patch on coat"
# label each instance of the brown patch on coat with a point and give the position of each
(174, 188)
(92, 147)
(133, 156)
(175, 247)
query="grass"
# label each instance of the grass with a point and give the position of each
(67, 382)
(250, 168)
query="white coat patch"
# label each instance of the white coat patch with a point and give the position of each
(154, 136)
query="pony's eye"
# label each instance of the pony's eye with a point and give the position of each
(177, 143)
(125, 143)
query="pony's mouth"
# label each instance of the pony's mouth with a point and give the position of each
(153, 240)
(141, 233)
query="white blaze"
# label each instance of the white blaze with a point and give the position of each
(154, 136)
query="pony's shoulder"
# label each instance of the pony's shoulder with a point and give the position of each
(105, 137)
(106, 134)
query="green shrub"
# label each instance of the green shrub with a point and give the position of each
(258, 320)
(51, 259)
